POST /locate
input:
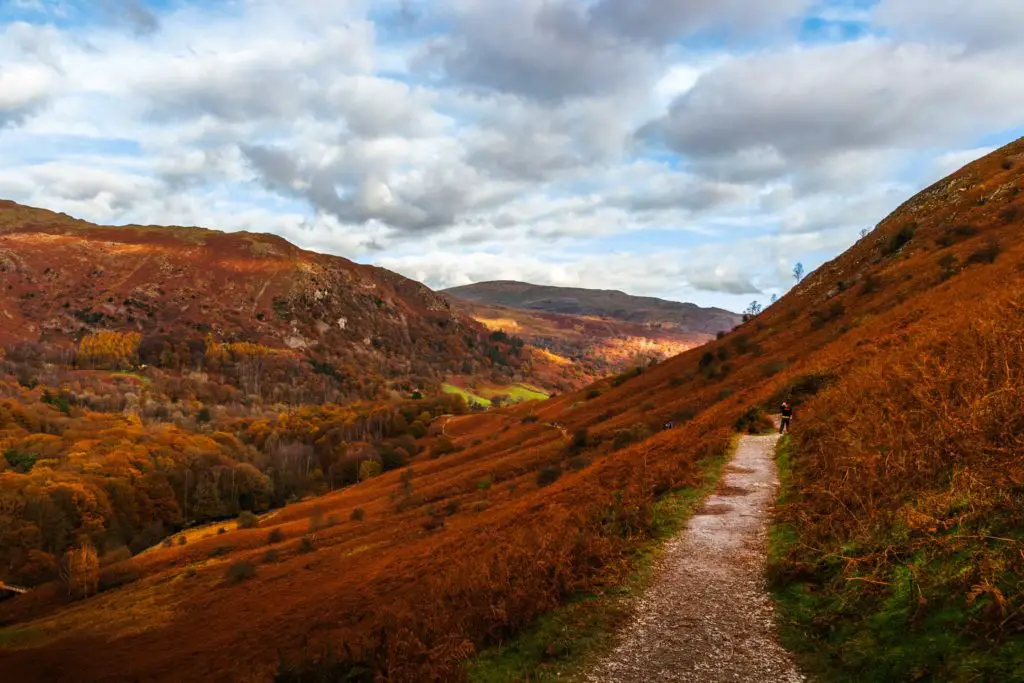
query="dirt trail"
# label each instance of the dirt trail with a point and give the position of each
(707, 617)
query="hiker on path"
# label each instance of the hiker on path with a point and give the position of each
(787, 417)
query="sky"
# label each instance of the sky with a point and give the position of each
(689, 149)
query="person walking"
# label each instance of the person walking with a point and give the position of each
(787, 417)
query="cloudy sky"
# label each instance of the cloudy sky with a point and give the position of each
(690, 149)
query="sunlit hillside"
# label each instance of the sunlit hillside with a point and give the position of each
(898, 555)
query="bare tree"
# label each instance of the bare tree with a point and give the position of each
(798, 272)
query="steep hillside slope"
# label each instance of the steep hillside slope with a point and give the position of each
(181, 289)
(661, 314)
(901, 549)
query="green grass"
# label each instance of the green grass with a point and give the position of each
(516, 393)
(560, 645)
(470, 397)
(915, 626)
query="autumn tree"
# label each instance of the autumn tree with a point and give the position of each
(80, 571)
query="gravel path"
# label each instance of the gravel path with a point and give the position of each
(707, 617)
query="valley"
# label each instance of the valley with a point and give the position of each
(895, 552)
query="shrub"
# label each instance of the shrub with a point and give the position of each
(358, 514)
(772, 368)
(248, 520)
(221, 531)
(168, 542)
(275, 536)
(1010, 214)
(306, 544)
(442, 447)
(530, 419)
(624, 377)
(635, 434)
(240, 571)
(484, 484)
(800, 389)
(577, 463)
(548, 476)
(593, 393)
(451, 507)
(1007, 164)
(580, 440)
(872, 283)
(899, 240)
(986, 255)
(221, 550)
(270, 556)
(753, 421)
(957, 233)
(948, 266)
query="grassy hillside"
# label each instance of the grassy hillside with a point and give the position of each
(900, 534)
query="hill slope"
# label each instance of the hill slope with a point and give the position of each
(898, 556)
(684, 317)
(181, 289)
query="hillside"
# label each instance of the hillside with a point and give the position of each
(656, 313)
(897, 555)
(600, 332)
(321, 325)
(583, 349)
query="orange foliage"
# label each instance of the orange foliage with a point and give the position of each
(109, 349)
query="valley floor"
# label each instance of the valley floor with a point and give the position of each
(708, 617)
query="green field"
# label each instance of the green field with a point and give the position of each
(516, 393)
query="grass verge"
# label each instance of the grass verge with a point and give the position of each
(904, 622)
(560, 645)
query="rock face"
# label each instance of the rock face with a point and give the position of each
(63, 278)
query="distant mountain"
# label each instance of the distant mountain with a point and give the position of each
(601, 303)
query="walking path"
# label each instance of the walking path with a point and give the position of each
(708, 617)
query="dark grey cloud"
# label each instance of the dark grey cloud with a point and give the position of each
(548, 50)
(134, 14)
(552, 50)
(731, 283)
(430, 202)
(660, 21)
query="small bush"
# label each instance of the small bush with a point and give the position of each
(773, 368)
(899, 240)
(530, 419)
(1010, 214)
(986, 255)
(593, 393)
(872, 283)
(248, 520)
(182, 540)
(270, 556)
(221, 550)
(577, 463)
(753, 421)
(621, 379)
(358, 514)
(451, 507)
(580, 440)
(240, 571)
(168, 542)
(306, 544)
(948, 266)
(443, 446)
(1007, 164)
(548, 476)
(484, 484)
(957, 233)
(626, 437)
(275, 536)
